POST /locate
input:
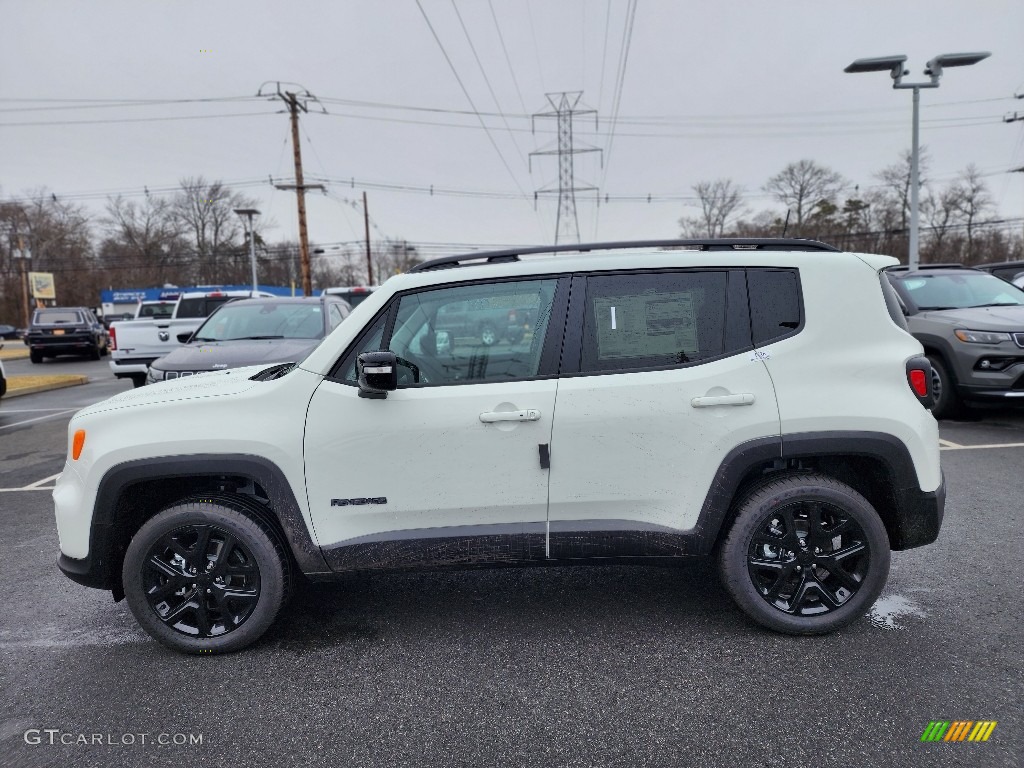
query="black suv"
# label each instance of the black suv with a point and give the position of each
(65, 331)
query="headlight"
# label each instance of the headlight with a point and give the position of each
(981, 337)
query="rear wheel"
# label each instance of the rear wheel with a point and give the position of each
(806, 555)
(95, 353)
(203, 576)
(35, 357)
(138, 379)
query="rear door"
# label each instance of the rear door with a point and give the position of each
(659, 383)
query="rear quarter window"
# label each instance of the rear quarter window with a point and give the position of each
(776, 310)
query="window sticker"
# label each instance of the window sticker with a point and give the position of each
(645, 325)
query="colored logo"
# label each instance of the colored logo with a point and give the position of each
(958, 730)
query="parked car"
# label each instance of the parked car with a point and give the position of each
(353, 294)
(252, 332)
(487, 320)
(1010, 271)
(971, 325)
(65, 331)
(3, 378)
(759, 401)
(137, 343)
(8, 332)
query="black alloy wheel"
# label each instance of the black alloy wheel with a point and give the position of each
(206, 575)
(808, 558)
(806, 554)
(201, 581)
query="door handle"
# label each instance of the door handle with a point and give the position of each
(704, 402)
(489, 417)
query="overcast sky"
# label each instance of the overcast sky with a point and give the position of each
(701, 90)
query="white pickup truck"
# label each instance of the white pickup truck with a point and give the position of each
(134, 344)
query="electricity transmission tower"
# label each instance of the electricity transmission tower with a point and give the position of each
(567, 228)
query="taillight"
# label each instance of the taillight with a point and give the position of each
(113, 337)
(918, 382)
(919, 377)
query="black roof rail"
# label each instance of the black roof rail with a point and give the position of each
(925, 267)
(721, 244)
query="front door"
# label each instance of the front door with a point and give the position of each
(446, 469)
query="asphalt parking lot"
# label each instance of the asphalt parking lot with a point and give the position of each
(605, 665)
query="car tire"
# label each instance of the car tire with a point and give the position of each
(35, 357)
(220, 607)
(138, 379)
(947, 403)
(788, 576)
(488, 334)
(104, 350)
(95, 353)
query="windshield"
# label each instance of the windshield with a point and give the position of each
(263, 321)
(959, 291)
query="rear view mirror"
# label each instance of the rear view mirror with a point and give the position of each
(378, 374)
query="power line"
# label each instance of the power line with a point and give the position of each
(487, 80)
(508, 60)
(134, 119)
(620, 77)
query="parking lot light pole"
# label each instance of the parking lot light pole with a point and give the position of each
(933, 69)
(250, 212)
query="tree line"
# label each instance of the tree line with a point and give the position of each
(957, 220)
(189, 237)
(193, 236)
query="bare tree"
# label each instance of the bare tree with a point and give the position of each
(974, 202)
(205, 211)
(721, 201)
(803, 185)
(57, 237)
(940, 210)
(144, 243)
(896, 179)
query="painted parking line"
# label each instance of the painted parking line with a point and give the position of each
(38, 485)
(948, 444)
(972, 447)
(38, 418)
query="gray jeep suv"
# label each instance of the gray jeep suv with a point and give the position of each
(971, 325)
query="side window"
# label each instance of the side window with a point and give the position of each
(466, 333)
(650, 320)
(775, 308)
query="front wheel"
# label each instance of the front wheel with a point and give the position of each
(35, 357)
(946, 401)
(203, 576)
(806, 555)
(488, 334)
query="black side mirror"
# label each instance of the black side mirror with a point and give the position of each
(378, 374)
(183, 338)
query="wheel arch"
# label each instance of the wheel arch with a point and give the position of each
(133, 492)
(876, 465)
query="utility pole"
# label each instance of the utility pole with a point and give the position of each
(296, 101)
(567, 227)
(366, 226)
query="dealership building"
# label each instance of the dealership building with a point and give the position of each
(118, 301)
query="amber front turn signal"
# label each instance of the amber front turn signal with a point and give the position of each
(77, 444)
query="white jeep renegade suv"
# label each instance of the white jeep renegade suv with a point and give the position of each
(756, 400)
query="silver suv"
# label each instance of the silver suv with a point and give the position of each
(971, 325)
(758, 401)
